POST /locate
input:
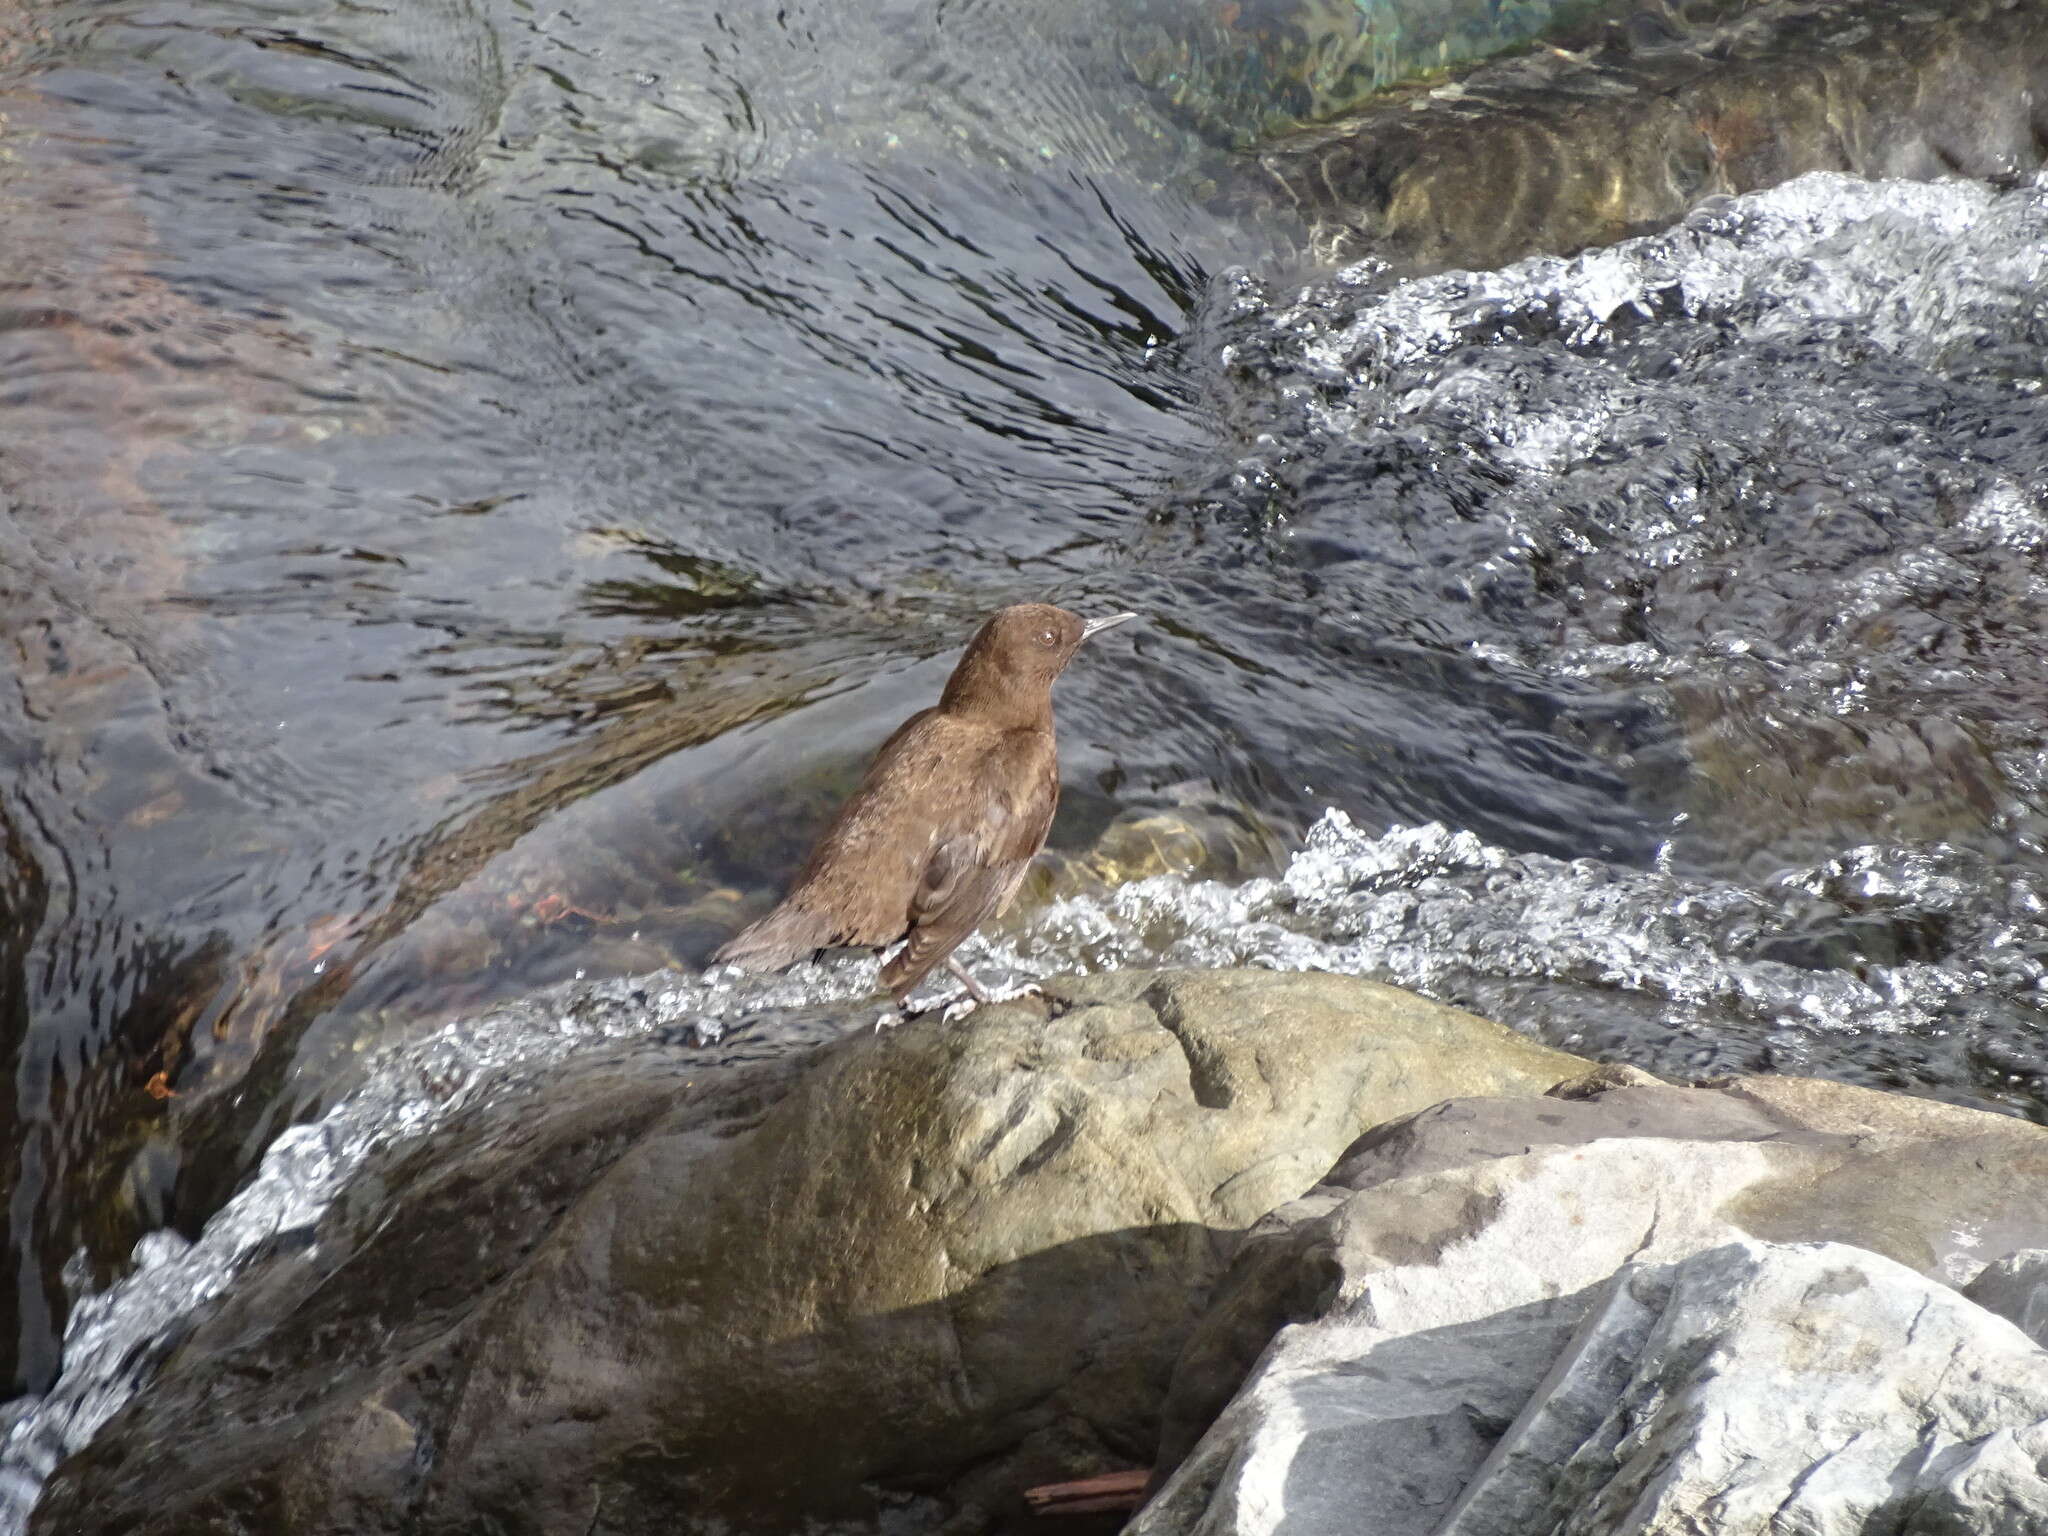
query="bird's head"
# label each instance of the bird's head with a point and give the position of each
(1012, 660)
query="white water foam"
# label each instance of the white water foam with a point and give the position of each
(1418, 906)
(1427, 907)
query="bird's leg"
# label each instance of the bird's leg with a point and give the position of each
(977, 995)
(966, 980)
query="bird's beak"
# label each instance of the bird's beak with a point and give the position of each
(1097, 626)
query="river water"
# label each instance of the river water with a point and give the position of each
(477, 485)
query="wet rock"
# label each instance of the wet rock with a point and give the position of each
(911, 1273)
(1780, 783)
(1552, 153)
(1403, 1313)
(1193, 841)
(1242, 72)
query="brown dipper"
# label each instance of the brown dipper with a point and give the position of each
(937, 837)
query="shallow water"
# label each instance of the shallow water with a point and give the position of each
(487, 480)
(1635, 965)
(475, 472)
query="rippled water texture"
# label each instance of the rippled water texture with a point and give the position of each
(476, 485)
(1735, 536)
(1252, 68)
(478, 480)
(1638, 965)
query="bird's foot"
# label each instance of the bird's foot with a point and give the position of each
(963, 1005)
(890, 1017)
(966, 979)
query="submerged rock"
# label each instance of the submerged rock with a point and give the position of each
(1552, 153)
(1243, 71)
(1405, 1312)
(914, 1272)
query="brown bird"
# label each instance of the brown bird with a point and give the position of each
(937, 837)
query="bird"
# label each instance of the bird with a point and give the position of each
(936, 838)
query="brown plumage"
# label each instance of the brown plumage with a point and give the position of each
(937, 837)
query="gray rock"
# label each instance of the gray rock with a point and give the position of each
(915, 1271)
(2016, 1288)
(1402, 1314)
(1759, 1387)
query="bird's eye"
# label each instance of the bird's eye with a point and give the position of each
(1048, 639)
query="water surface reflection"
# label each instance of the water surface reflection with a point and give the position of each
(426, 422)
(480, 480)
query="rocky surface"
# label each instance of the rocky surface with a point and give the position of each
(888, 1282)
(2016, 1288)
(1761, 1387)
(1402, 1314)
(1554, 152)
(908, 1273)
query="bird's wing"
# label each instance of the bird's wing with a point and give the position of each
(856, 885)
(786, 935)
(978, 856)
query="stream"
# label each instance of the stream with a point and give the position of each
(476, 484)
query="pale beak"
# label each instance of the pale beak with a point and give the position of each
(1097, 626)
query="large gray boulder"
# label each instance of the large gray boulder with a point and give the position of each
(1759, 1387)
(897, 1279)
(1396, 1320)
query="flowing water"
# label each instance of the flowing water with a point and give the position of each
(476, 484)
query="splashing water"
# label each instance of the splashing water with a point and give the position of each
(1425, 907)
(1685, 976)
(1576, 408)
(114, 1340)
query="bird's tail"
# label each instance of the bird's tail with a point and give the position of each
(783, 937)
